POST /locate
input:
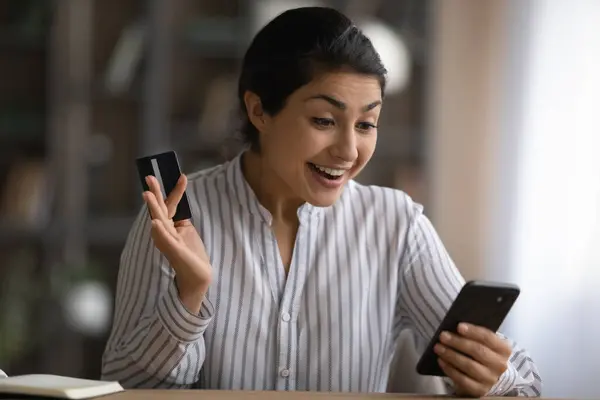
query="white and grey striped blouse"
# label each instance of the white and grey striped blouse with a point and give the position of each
(362, 270)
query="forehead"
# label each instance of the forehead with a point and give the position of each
(351, 88)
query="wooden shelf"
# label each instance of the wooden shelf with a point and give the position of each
(106, 230)
(11, 40)
(16, 124)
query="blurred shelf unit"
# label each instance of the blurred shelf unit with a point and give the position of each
(217, 37)
(13, 41)
(150, 75)
(155, 82)
(100, 231)
(21, 132)
(23, 25)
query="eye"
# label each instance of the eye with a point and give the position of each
(323, 122)
(365, 126)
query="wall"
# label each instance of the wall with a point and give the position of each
(467, 59)
(514, 167)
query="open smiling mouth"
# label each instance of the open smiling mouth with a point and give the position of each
(328, 173)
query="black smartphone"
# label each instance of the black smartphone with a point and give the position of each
(479, 303)
(165, 167)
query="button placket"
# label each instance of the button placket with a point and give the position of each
(288, 329)
(284, 343)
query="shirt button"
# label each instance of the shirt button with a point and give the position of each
(285, 372)
(286, 317)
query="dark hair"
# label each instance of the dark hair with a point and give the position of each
(292, 49)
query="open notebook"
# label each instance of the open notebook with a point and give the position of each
(61, 387)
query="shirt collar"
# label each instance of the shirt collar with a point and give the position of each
(247, 199)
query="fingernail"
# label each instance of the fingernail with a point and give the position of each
(441, 362)
(445, 336)
(463, 328)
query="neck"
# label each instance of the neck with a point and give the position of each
(272, 192)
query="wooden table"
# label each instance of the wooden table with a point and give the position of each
(267, 395)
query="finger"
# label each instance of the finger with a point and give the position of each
(161, 236)
(157, 213)
(473, 369)
(155, 210)
(479, 351)
(154, 187)
(175, 196)
(464, 384)
(485, 336)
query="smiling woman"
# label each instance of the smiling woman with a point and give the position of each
(290, 275)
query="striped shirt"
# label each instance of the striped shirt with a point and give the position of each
(362, 270)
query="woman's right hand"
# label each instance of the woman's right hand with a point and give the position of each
(180, 243)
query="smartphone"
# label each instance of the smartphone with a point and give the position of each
(479, 303)
(165, 167)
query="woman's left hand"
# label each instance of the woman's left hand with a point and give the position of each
(477, 375)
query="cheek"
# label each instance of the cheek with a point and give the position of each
(295, 139)
(366, 148)
(283, 143)
(286, 149)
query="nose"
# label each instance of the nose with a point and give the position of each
(345, 146)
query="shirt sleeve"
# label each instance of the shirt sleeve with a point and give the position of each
(155, 341)
(429, 283)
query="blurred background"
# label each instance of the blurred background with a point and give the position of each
(490, 121)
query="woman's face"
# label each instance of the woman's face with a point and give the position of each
(323, 137)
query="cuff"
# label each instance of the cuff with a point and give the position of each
(182, 324)
(449, 385)
(505, 382)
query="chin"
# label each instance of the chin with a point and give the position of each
(324, 199)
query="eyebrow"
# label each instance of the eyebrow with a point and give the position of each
(340, 104)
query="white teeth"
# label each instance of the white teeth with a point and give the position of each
(331, 171)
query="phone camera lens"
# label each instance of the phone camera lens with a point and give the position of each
(499, 299)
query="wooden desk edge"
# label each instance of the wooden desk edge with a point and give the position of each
(197, 394)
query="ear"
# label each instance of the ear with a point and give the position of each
(255, 111)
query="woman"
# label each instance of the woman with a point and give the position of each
(292, 276)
